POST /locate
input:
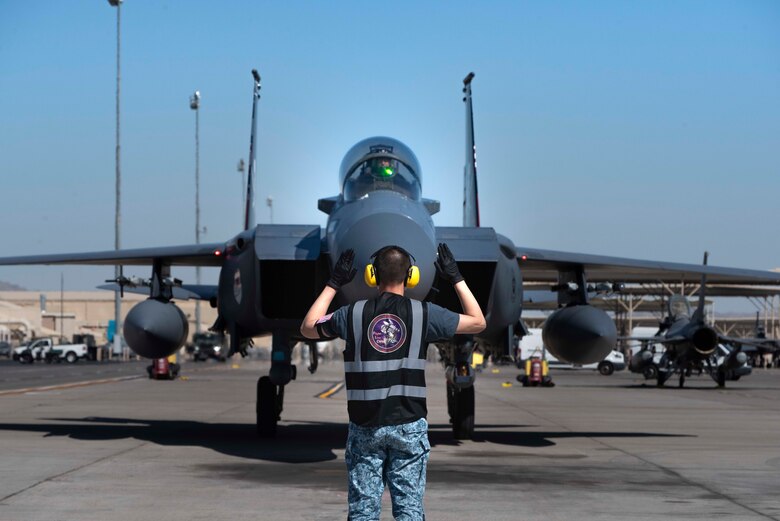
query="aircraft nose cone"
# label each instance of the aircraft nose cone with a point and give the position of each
(382, 226)
(579, 334)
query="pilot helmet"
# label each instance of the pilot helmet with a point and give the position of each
(381, 157)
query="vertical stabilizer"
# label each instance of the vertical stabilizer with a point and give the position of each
(249, 213)
(699, 313)
(470, 196)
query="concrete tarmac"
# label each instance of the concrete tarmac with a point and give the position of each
(591, 448)
(14, 375)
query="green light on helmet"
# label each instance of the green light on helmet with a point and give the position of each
(382, 168)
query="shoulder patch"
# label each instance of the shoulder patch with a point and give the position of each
(324, 319)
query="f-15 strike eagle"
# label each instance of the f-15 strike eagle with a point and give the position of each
(270, 274)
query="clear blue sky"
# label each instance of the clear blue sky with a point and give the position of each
(639, 129)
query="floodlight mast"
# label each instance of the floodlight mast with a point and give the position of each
(195, 105)
(117, 217)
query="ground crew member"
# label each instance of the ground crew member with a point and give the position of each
(384, 362)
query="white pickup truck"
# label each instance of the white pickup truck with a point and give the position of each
(44, 350)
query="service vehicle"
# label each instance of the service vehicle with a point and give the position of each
(45, 350)
(205, 346)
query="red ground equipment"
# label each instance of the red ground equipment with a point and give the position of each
(163, 369)
(536, 371)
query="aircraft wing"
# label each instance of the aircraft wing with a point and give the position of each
(183, 292)
(655, 339)
(543, 266)
(764, 345)
(187, 255)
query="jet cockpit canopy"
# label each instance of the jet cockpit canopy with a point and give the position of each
(380, 163)
(679, 307)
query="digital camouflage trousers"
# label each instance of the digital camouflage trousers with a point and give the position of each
(393, 455)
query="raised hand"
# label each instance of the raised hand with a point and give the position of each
(343, 272)
(446, 267)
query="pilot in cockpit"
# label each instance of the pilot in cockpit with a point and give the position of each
(679, 307)
(388, 167)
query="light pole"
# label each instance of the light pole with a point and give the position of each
(243, 186)
(195, 105)
(117, 217)
(270, 202)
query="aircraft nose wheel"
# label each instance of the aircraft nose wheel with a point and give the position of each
(460, 403)
(269, 406)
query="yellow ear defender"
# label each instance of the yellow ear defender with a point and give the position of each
(370, 276)
(412, 277)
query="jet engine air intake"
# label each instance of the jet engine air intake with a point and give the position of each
(705, 340)
(579, 334)
(155, 329)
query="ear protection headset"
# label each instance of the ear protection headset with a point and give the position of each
(370, 274)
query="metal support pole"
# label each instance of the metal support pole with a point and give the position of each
(62, 306)
(118, 215)
(766, 313)
(195, 105)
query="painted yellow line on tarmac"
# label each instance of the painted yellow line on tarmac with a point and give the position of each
(330, 391)
(70, 385)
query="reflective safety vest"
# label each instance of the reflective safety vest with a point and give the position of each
(384, 360)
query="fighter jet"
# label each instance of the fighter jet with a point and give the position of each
(271, 273)
(760, 342)
(691, 345)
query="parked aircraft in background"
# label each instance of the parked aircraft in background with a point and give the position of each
(691, 345)
(270, 274)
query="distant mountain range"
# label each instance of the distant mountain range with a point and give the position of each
(7, 286)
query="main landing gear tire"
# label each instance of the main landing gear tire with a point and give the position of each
(650, 372)
(267, 408)
(460, 403)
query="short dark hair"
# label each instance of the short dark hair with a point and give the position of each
(392, 265)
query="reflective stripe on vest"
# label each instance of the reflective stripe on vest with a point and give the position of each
(411, 361)
(357, 326)
(380, 394)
